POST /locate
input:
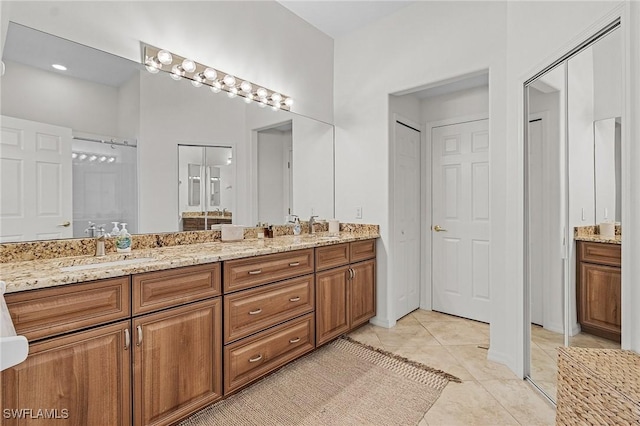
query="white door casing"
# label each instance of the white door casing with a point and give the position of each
(36, 185)
(460, 209)
(536, 219)
(406, 214)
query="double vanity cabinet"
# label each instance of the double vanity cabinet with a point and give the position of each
(154, 347)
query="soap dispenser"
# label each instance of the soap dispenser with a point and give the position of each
(115, 231)
(123, 240)
(297, 228)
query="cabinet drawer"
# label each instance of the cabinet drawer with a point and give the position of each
(157, 290)
(246, 273)
(603, 253)
(253, 357)
(249, 311)
(328, 257)
(362, 250)
(43, 313)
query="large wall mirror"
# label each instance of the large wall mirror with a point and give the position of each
(573, 171)
(98, 142)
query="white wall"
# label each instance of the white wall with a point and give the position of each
(458, 104)
(47, 97)
(273, 175)
(257, 40)
(421, 44)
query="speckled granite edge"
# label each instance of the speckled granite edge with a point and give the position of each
(212, 215)
(592, 234)
(52, 249)
(43, 273)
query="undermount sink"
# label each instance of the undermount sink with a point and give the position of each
(107, 264)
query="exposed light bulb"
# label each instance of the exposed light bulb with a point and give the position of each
(74, 155)
(165, 57)
(102, 159)
(262, 104)
(82, 156)
(188, 65)
(216, 87)
(176, 72)
(276, 97)
(152, 69)
(288, 102)
(232, 93)
(59, 67)
(248, 98)
(246, 87)
(111, 159)
(229, 80)
(153, 65)
(228, 161)
(210, 74)
(262, 93)
(198, 79)
(93, 158)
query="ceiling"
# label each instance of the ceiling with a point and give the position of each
(337, 18)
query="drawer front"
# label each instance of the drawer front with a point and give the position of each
(157, 290)
(44, 313)
(602, 253)
(253, 357)
(362, 250)
(328, 257)
(249, 311)
(251, 272)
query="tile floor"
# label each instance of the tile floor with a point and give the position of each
(544, 354)
(490, 394)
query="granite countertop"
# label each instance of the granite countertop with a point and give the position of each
(34, 274)
(599, 239)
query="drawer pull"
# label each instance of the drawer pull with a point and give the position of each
(256, 312)
(294, 299)
(139, 328)
(256, 359)
(296, 340)
(127, 339)
(294, 264)
(256, 272)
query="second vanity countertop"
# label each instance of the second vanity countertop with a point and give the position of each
(599, 239)
(34, 274)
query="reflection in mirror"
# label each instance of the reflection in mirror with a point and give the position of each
(275, 177)
(607, 155)
(103, 96)
(546, 206)
(205, 186)
(572, 182)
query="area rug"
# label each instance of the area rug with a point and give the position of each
(343, 383)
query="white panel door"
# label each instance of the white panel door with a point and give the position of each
(35, 167)
(461, 220)
(406, 209)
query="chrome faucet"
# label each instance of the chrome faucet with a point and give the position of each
(311, 222)
(91, 230)
(100, 237)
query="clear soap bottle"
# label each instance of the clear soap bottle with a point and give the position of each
(123, 240)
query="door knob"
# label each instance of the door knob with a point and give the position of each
(66, 224)
(438, 228)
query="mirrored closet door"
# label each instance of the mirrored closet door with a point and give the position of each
(572, 205)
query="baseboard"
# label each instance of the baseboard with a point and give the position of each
(382, 322)
(556, 328)
(575, 329)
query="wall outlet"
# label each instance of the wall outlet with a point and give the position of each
(358, 212)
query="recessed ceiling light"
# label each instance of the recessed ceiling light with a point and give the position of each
(59, 67)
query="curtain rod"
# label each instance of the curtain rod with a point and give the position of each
(108, 142)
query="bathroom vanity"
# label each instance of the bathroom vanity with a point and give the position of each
(180, 327)
(598, 291)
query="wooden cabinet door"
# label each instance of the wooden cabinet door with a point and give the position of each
(599, 300)
(177, 362)
(363, 292)
(332, 307)
(79, 379)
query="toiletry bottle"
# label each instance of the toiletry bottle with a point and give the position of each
(115, 231)
(297, 228)
(123, 240)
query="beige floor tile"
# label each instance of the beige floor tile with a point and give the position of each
(543, 366)
(435, 357)
(584, 340)
(414, 339)
(452, 333)
(474, 360)
(522, 401)
(366, 335)
(467, 403)
(433, 316)
(547, 340)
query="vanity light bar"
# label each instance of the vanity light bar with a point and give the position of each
(178, 67)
